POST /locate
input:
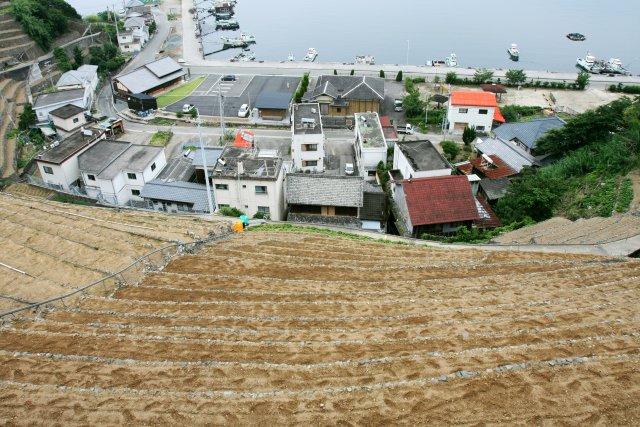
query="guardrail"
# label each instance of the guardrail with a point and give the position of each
(153, 261)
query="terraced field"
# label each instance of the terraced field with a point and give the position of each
(50, 248)
(288, 328)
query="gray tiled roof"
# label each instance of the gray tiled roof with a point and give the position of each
(528, 132)
(177, 191)
(274, 100)
(78, 77)
(151, 75)
(66, 111)
(423, 156)
(512, 155)
(304, 189)
(495, 188)
(59, 97)
(350, 87)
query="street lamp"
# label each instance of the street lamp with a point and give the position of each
(204, 165)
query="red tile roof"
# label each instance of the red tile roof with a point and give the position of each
(499, 169)
(465, 167)
(473, 99)
(439, 200)
(497, 116)
(488, 218)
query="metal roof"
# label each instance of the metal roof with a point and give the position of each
(322, 190)
(177, 191)
(62, 96)
(530, 131)
(273, 100)
(212, 154)
(509, 152)
(67, 111)
(151, 75)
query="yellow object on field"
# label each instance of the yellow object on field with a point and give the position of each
(238, 227)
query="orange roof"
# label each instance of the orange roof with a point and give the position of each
(244, 139)
(474, 99)
(497, 116)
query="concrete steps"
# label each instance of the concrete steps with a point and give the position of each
(28, 190)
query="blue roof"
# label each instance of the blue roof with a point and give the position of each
(177, 191)
(212, 154)
(274, 100)
(528, 132)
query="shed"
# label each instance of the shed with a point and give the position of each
(273, 105)
(141, 102)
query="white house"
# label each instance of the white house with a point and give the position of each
(58, 165)
(251, 180)
(47, 102)
(85, 76)
(68, 118)
(116, 172)
(307, 141)
(130, 41)
(472, 109)
(419, 159)
(370, 144)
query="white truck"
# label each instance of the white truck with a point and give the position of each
(407, 129)
(397, 105)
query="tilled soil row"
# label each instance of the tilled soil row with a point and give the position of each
(543, 393)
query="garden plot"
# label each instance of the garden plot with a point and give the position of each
(278, 328)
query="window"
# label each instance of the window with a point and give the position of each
(263, 209)
(131, 175)
(261, 189)
(483, 111)
(153, 166)
(480, 128)
(338, 110)
(371, 173)
(76, 120)
(223, 205)
(310, 147)
(47, 169)
(91, 177)
(306, 163)
(222, 186)
(244, 186)
(463, 110)
(135, 192)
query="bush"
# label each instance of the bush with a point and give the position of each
(514, 113)
(419, 79)
(229, 211)
(382, 74)
(469, 134)
(179, 114)
(353, 72)
(450, 149)
(399, 76)
(451, 78)
(259, 215)
(632, 90)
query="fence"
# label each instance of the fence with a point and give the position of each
(154, 261)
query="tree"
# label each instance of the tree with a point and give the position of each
(469, 134)
(194, 113)
(582, 81)
(153, 27)
(335, 72)
(450, 149)
(62, 60)
(382, 74)
(353, 72)
(413, 105)
(78, 58)
(451, 78)
(516, 77)
(482, 75)
(399, 76)
(436, 79)
(27, 117)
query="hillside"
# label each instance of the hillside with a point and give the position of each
(273, 328)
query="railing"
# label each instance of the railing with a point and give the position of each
(131, 274)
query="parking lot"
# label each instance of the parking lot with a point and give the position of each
(244, 90)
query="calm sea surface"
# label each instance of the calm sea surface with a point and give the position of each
(478, 32)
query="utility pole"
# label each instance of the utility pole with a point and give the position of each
(407, 52)
(221, 111)
(204, 165)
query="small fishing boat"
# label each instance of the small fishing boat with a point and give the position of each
(451, 60)
(243, 41)
(513, 51)
(576, 37)
(311, 55)
(365, 59)
(590, 64)
(291, 58)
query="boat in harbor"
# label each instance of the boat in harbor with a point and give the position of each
(514, 53)
(244, 56)
(291, 58)
(227, 24)
(311, 55)
(576, 37)
(614, 66)
(365, 59)
(243, 41)
(451, 60)
(590, 64)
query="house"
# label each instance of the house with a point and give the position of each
(513, 155)
(346, 95)
(486, 166)
(435, 205)
(273, 105)
(494, 189)
(151, 78)
(47, 102)
(473, 109)
(133, 3)
(130, 41)
(251, 180)
(326, 199)
(58, 164)
(418, 159)
(373, 210)
(176, 196)
(526, 134)
(370, 144)
(115, 172)
(85, 76)
(211, 156)
(307, 141)
(68, 118)
(389, 131)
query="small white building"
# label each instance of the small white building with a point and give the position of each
(68, 118)
(307, 141)
(47, 102)
(116, 172)
(131, 41)
(251, 180)
(472, 109)
(85, 76)
(419, 159)
(58, 164)
(370, 144)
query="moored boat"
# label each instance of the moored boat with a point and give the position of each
(614, 66)
(513, 51)
(590, 64)
(291, 58)
(576, 37)
(365, 59)
(243, 41)
(311, 55)
(451, 60)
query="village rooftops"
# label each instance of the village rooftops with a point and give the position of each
(108, 158)
(323, 190)
(151, 75)
(70, 146)
(67, 111)
(492, 166)
(62, 96)
(473, 99)
(248, 163)
(370, 130)
(423, 156)
(530, 131)
(177, 191)
(211, 155)
(512, 155)
(306, 119)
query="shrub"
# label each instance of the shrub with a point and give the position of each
(469, 134)
(259, 215)
(451, 78)
(382, 74)
(450, 149)
(353, 72)
(230, 211)
(399, 76)
(179, 114)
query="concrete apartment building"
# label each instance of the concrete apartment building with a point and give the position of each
(307, 141)
(370, 144)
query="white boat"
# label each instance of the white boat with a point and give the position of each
(311, 55)
(589, 63)
(614, 66)
(242, 41)
(365, 59)
(291, 58)
(513, 51)
(451, 60)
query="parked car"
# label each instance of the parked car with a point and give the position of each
(229, 78)
(243, 111)
(187, 107)
(349, 169)
(397, 105)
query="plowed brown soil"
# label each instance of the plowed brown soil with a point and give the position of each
(294, 328)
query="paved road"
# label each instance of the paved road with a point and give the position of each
(154, 45)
